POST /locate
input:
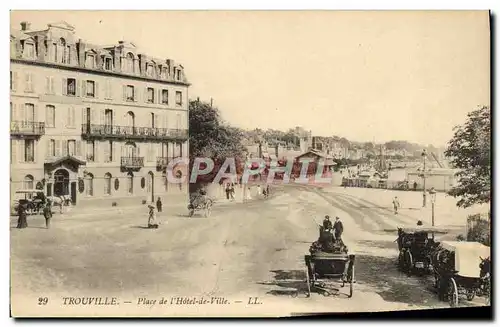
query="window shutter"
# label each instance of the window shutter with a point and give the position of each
(113, 148)
(73, 114)
(78, 88)
(20, 147)
(106, 151)
(35, 113)
(21, 112)
(52, 88)
(47, 85)
(103, 116)
(83, 85)
(160, 99)
(96, 90)
(156, 121)
(58, 148)
(27, 80)
(49, 148)
(124, 92)
(78, 150)
(96, 151)
(93, 116)
(14, 113)
(13, 151)
(65, 86)
(35, 150)
(136, 94)
(145, 94)
(165, 121)
(84, 116)
(64, 148)
(14, 81)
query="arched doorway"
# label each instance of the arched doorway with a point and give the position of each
(61, 182)
(150, 186)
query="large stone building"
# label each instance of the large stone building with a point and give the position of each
(93, 122)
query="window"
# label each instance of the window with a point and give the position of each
(28, 182)
(178, 74)
(13, 81)
(90, 61)
(50, 116)
(29, 112)
(164, 72)
(108, 64)
(107, 183)
(178, 121)
(29, 50)
(108, 151)
(130, 93)
(29, 83)
(107, 89)
(130, 183)
(90, 151)
(149, 70)
(71, 86)
(164, 96)
(70, 118)
(49, 85)
(51, 151)
(53, 54)
(130, 63)
(89, 184)
(178, 98)
(71, 147)
(151, 95)
(90, 89)
(29, 150)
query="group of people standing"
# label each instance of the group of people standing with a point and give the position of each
(22, 220)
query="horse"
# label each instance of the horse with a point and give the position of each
(60, 201)
(485, 276)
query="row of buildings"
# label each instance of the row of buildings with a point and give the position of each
(93, 122)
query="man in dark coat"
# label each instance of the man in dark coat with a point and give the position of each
(158, 204)
(338, 228)
(47, 213)
(326, 240)
(327, 224)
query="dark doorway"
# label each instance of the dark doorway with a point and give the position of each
(61, 182)
(73, 192)
(49, 189)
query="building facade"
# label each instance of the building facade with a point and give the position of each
(94, 123)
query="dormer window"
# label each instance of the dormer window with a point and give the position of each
(130, 63)
(178, 77)
(90, 61)
(149, 70)
(108, 64)
(29, 50)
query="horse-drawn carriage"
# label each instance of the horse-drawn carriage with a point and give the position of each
(200, 202)
(461, 268)
(33, 201)
(324, 269)
(415, 247)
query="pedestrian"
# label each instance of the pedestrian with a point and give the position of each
(268, 190)
(232, 191)
(47, 213)
(338, 228)
(249, 196)
(228, 191)
(327, 224)
(259, 190)
(152, 217)
(21, 221)
(159, 204)
(414, 186)
(396, 205)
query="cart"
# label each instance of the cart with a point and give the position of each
(200, 202)
(323, 270)
(458, 270)
(33, 201)
(415, 246)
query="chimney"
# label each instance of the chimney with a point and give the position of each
(25, 26)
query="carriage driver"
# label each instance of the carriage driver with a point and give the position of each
(327, 224)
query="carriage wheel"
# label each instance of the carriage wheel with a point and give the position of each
(191, 212)
(308, 281)
(470, 294)
(408, 263)
(453, 293)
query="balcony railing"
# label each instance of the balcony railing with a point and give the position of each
(129, 132)
(27, 128)
(132, 162)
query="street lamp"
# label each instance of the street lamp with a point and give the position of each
(432, 193)
(424, 155)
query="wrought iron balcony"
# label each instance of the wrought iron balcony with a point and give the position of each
(132, 162)
(130, 132)
(27, 128)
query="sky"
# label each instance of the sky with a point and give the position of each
(366, 76)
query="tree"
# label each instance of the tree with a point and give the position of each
(211, 137)
(469, 151)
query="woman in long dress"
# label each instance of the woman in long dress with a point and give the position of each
(152, 223)
(22, 221)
